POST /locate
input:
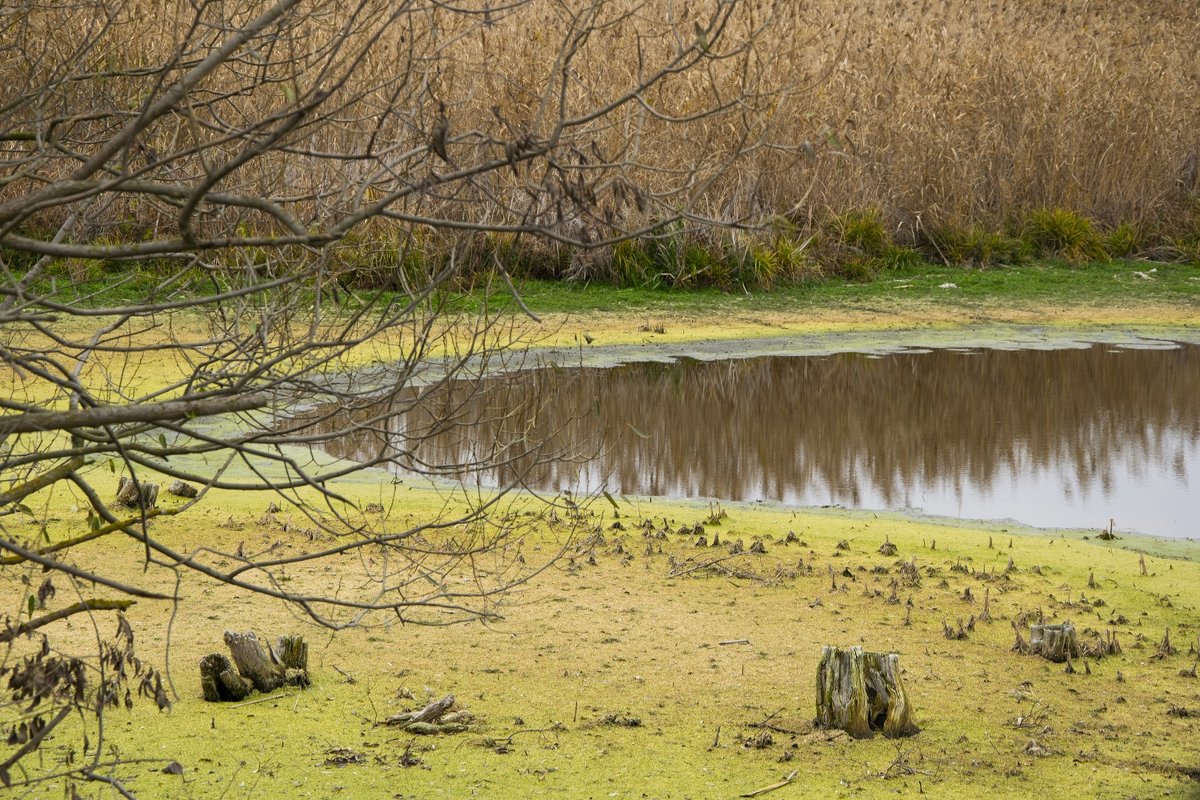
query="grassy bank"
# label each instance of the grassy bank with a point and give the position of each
(1117, 284)
(860, 246)
(1111, 295)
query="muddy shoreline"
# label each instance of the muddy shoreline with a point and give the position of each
(869, 341)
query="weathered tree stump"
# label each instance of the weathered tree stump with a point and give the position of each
(220, 681)
(291, 652)
(181, 489)
(861, 692)
(1054, 642)
(253, 662)
(136, 494)
(286, 664)
(269, 671)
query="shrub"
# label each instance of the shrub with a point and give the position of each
(1124, 241)
(1058, 233)
(694, 264)
(897, 257)
(632, 265)
(856, 246)
(976, 247)
(794, 260)
(860, 230)
(861, 269)
(759, 267)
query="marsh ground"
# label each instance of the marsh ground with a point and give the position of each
(607, 676)
(629, 627)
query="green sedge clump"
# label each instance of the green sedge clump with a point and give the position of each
(978, 247)
(1059, 233)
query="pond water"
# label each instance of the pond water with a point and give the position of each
(1062, 438)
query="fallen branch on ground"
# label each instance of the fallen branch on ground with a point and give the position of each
(433, 719)
(773, 786)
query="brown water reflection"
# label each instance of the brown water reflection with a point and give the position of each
(1058, 437)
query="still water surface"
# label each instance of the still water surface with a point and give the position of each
(1066, 438)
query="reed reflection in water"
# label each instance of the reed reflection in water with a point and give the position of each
(1059, 437)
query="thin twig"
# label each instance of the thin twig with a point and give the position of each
(264, 699)
(92, 775)
(766, 725)
(678, 571)
(773, 786)
(507, 740)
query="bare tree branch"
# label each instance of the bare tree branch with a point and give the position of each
(47, 478)
(100, 416)
(62, 613)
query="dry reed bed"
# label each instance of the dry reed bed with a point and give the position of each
(948, 113)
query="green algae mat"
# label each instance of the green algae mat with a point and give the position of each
(652, 660)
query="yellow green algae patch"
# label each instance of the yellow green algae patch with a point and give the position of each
(749, 318)
(643, 665)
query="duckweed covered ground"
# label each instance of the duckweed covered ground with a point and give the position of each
(607, 676)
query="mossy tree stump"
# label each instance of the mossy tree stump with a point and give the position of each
(220, 681)
(861, 692)
(256, 668)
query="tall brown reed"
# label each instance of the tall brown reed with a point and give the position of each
(936, 112)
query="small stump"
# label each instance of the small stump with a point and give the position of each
(220, 681)
(181, 489)
(135, 494)
(1054, 642)
(861, 692)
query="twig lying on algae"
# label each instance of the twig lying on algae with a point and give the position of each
(773, 786)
